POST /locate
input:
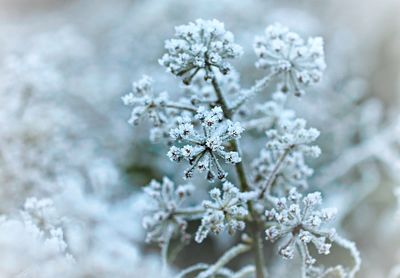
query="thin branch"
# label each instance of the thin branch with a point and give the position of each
(193, 268)
(244, 186)
(272, 177)
(262, 83)
(245, 272)
(180, 107)
(355, 254)
(190, 212)
(226, 258)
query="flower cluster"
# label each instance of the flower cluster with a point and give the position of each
(227, 211)
(144, 101)
(202, 132)
(201, 45)
(204, 148)
(293, 135)
(281, 164)
(201, 92)
(164, 219)
(293, 171)
(284, 53)
(298, 219)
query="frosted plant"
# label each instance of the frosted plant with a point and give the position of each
(227, 210)
(282, 159)
(293, 170)
(300, 220)
(293, 135)
(143, 102)
(206, 147)
(162, 112)
(165, 219)
(205, 130)
(286, 54)
(202, 45)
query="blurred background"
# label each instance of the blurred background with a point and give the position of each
(64, 66)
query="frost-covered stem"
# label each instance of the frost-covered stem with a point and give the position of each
(180, 107)
(244, 186)
(164, 252)
(221, 99)
(226, 258)
(193, 268)
(274, 172)
(257, 123)
(351, 247)
(262, 83)
(247, 271)
(189, 211)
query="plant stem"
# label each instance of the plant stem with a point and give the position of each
(275, 171)
(180, 107)
(228, 256)
(244, 186)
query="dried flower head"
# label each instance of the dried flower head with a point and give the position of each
(299, 220)
(201, 45)
(145, 101)
(227, 210)
(284, 53)
(204, 149)
(163, 220)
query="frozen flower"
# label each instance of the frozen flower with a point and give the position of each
(203, 93)
(144, 101)
(293, 135)
(201, 45)
(227, 210)
(299, 220)
(164, 220)
(284, 53)
(203, 149)
(292, 173)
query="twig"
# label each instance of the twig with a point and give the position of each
(272, 176)
(226, 258)
(244, 185)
